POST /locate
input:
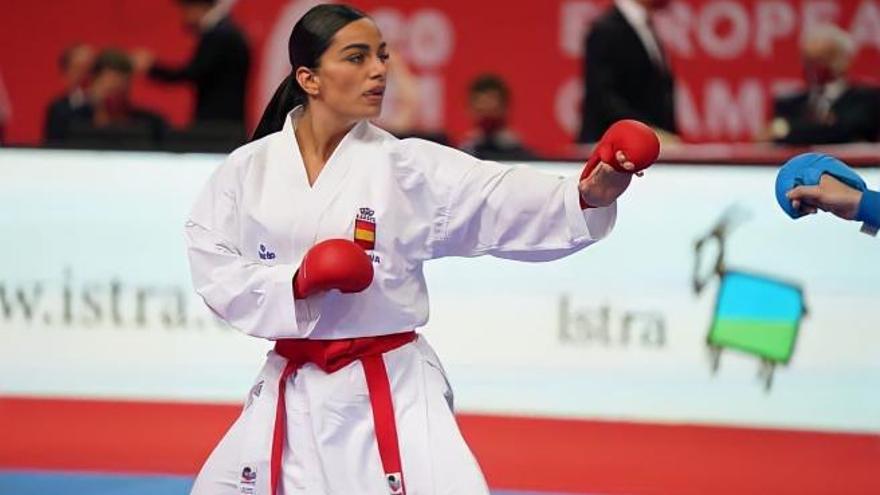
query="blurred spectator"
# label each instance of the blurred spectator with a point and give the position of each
(830, 110)
(401, 107)
(491, 138)
(5, 110)
(626, 72)
(76, 66)
(218, 68)
(109, 113)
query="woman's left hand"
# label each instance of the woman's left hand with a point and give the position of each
(604, 185)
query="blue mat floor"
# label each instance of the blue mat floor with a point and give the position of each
(64, 483)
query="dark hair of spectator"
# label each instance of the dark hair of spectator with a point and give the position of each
(64, 59)
(190, 2)
(489, 82)
(308, 41)
(112, 59)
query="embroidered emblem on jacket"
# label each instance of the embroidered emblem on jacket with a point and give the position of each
(365, 229)
(248, 481)
(248, 475)
(395, 483)
(265, 254)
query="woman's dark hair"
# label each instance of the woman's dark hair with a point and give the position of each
(309, 40)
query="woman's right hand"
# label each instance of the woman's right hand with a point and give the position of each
(626, 148)
(604, 184)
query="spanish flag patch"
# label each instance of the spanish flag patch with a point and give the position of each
(365, 229)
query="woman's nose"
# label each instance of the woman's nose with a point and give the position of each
(379, 68)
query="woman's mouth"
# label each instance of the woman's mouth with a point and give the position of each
(375, 94)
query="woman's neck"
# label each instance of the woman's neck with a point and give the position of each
(319, 133)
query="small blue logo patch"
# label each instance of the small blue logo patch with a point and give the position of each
(265, 254)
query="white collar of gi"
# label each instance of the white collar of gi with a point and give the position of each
(290, 124)
(634, 12)
(330, 180)
(290, 121)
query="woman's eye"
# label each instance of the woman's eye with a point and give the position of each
(356, 59)
(384, 57)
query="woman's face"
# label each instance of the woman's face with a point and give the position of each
(351, 74)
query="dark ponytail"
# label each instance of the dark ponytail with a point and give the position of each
(285, 99)
(308, 41)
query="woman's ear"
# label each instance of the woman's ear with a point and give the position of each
(308, 80)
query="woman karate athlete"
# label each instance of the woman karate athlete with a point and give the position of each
(313, 235)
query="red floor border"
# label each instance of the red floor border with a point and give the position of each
(515, 452)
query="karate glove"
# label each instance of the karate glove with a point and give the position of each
(638, 142)
(333, 264)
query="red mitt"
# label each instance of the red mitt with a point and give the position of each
(637, 141)
(333, 264)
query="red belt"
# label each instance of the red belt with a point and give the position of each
(333, 355)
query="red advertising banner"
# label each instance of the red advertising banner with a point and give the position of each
(729, 56)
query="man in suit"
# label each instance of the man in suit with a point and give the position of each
(830, 110)
(76, 65)
(218, 68)
(627, 73)
(5, 110)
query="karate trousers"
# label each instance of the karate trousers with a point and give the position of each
(322, 434)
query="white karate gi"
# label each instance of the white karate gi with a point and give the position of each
(251, 227)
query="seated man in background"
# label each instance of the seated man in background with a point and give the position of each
(830, 110)
(5, 110)
(109, 111)
(491, 138)
(76, 66)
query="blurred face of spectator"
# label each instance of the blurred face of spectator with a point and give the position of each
(489, 110)
(824, 60)
(192, 14)
(77, 65)
(110, 91)
(655, 4)
(351, 73)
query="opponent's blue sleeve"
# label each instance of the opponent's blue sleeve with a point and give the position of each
(869, 208)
